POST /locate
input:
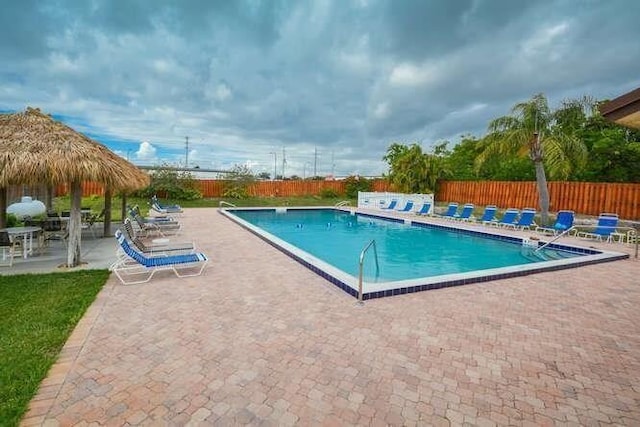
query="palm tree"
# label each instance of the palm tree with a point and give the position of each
(535, 131)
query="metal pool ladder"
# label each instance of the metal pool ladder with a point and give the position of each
(564, 233)
(222, 203)
(362, 254)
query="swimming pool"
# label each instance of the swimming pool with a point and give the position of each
(412, 255)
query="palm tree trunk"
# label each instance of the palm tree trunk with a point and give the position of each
(107, 213)
(543, 192)
(3, 207)
(75, 226)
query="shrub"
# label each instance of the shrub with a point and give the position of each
(170, 183)
(328, 193)
(353, 184)
(238, 182)
(12, 220)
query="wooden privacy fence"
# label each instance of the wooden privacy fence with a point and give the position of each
(215, 188)
(588, 198)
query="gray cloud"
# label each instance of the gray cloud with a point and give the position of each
(247, 78)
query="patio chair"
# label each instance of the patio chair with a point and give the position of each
(392, 205)
(155, 248)
(9, 247)
(89, 221)
(606, 226)
(451, 211)
(425, 209)
(157, 206)
(465, 215)
(407, 207)
(525, 221)
(53, 229)
(488, 215)
(509, 218)
(137, 264)
(564, 222)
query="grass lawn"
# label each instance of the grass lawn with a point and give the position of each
(37, 314)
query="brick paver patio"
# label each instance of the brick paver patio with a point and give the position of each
(258, 339)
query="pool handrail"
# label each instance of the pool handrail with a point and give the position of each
(222, 202)
(555, 238)
(361, 263)
(343, 203)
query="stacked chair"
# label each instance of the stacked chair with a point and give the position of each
(134, 266)
(164, 209)
(154, 226)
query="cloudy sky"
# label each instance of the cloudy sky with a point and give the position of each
(330, 82)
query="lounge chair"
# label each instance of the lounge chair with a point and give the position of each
(135, 210)
(425, 209)
(392, 205)
(407, 207)
(489, 214)
(465, 215)
(155, 248)
(509, 218)
(157, 206)
(607, 223)
(149, 228)
(451, 211)
(525, 221)
(137, 264)
(564, 222)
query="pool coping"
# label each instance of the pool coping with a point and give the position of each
(349, 283)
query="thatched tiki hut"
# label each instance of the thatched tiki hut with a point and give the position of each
(35, 149)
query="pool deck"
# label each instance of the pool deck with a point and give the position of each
(259, 339)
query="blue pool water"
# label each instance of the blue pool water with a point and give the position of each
(404, 251)
(410, 255)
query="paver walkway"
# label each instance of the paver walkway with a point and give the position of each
(258, 339)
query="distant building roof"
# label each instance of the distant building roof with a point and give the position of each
(624, 110)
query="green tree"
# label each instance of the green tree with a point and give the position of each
(411, 170)
(353, 184)
(534, 130)
(166, 181)
(238, 181)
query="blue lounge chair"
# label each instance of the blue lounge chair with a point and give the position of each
(392, 205)
(451, 211)
(525, 221)
(564, 222)
(155, 248)
(607, 223)
(137, 264)
(489, 214)
(425, 209)
(157, 206)
(509, 218)
(465, 215)
(407, 207)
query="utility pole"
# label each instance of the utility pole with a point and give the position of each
(284, 161)
(186, 152)
(275, 165)
(333, 165)
(315, 162)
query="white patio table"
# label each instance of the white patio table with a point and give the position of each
(27, 237)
